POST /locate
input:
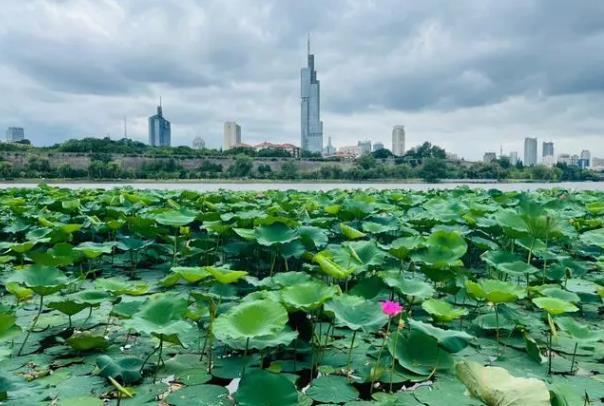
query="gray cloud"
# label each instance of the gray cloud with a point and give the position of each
(488, 72)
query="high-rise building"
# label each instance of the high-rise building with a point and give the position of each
(159, 129)
(513, 157)
(310, 107)
(198, 143)
(14, 134)
(398, 140)
(548, 149)
(232, 134)
(377, 146)
(489, 157)
(530, 151)
(585, 159)
(364, 147)
(329, 148)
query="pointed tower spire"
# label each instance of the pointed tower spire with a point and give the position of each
(308, 44)
(159, 111)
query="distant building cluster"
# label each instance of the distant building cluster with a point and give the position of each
(548, 157)
(15, 134)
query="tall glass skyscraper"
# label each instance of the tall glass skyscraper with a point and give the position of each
(159, 130)
(530, 151)
(312, 126)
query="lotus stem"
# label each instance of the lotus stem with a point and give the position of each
(147, 359)
(354, 334)
(247, 345)
(33, 325)
(572, 362)
(549, 353)
(377, 362)
(174, 248)
(159, 358)
(393, 358)
(120, 388)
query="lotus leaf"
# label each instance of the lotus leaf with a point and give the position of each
(251, 319)
(276, 390)
(276, 233)
(162, 316)
(495, 386)
(356, 313)
(43, 280)
(175, 218)
(554, 306)
(350, 232)
(127, 370)
(308, 295)
(443, 311)
(333, 389)
(494, 291)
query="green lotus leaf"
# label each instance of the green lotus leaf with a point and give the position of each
(402, 247)
(94, 249)
(163, 317)
(282, 337)
(307, 296)
(126, 370)
(356, 313)
(418, 352)
(554, 306)
(251, 319)
(443, 311)
(175, 218)
(512, 223)
(224, 275)
(350, 232)
(276, 233)
(313, 237)
(20, 292)
(414, 289)
(578, 331)
(68, 307)
(43, 280)
(508, 262)
(451, 340)
(119, 286)
(275, 390)
(331, 389)
(87, 341)
(559, 293)
(443, 250)
(190, 274)
(330, 267)
(8, 325)
(495, 386)
(494, 291)
(594, 237)
(200, 395)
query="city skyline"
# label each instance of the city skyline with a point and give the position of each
(455, 76)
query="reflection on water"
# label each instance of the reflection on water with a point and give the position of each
(249, 186)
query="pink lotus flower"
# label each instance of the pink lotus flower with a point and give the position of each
(391, 308)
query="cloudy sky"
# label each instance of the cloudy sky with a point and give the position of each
(470, 76)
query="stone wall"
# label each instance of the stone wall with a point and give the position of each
(127, 162)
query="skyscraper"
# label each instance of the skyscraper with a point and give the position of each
(159, 129)
(364, 147)
(329, 149)
(14, 134)
(513, 157)
(377, 146)
(398, 140)
(232, 134)
(310, 107)
(530, 151)
(548, 149)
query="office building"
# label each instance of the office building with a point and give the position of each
(14, 134)
(232, 134)
(159, 129)
(530, 151)
(310, 107)
(349, 151)
(329, 148)
(364, 147)
(398, 140)
(585, 159)
(513, 157)
(198, 143)
(377, 146)
(489, 157)
(548, 149)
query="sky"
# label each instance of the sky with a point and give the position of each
(470, 76)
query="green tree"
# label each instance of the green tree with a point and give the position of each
(433, 169)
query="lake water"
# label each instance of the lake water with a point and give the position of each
(315, 186)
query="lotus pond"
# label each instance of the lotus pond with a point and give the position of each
(301, 298)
